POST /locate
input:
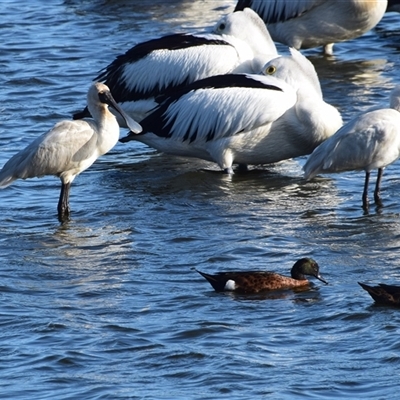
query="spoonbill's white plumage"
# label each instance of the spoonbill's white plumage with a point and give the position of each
(245, 119)
(369, 141)
(70, 147)
(312, 23)
(239, 43)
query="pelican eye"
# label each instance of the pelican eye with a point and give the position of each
(222, 27)
(270, 70)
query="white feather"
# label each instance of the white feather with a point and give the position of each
(230, 285)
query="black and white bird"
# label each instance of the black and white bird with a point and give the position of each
(305, 24)
(239, 43)
(70, 147)
(369, 141)
(245, 119)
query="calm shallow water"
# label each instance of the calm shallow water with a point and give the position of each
(109, 306)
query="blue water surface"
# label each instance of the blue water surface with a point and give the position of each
(109, 305)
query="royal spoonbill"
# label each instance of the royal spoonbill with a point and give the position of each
(369, 141)
(260, 281)
(239, 43)
(70, 147)
(245, 119)
(304, 24)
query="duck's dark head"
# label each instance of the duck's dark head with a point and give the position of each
(306, 266)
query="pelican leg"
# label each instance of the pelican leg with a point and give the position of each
(377, 192)
(63, 203)
(365, 192)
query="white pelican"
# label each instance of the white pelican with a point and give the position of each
(304, 24)
(369, 141)
(238, 43)
(70, 147)
(245, 119)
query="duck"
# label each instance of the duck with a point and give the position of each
(238, 43)
(244, 119)
(369, 141)
(305, 24)
(70, 147)
(384, 294)
(248, 282)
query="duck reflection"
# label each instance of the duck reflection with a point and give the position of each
(306, 294)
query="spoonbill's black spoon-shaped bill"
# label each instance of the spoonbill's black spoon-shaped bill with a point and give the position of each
(70, 147)
(369, 141)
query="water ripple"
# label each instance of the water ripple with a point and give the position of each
(109, 305)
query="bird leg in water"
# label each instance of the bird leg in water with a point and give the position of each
(365, 192)
(63, 203)
(377, 192)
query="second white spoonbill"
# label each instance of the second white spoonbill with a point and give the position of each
(369, 141)
(70, 147)
(239, 43)
(245, 119)
(304, 24)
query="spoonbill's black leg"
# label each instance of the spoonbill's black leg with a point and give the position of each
(63, 203)
(365, 192)
(377, 192)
